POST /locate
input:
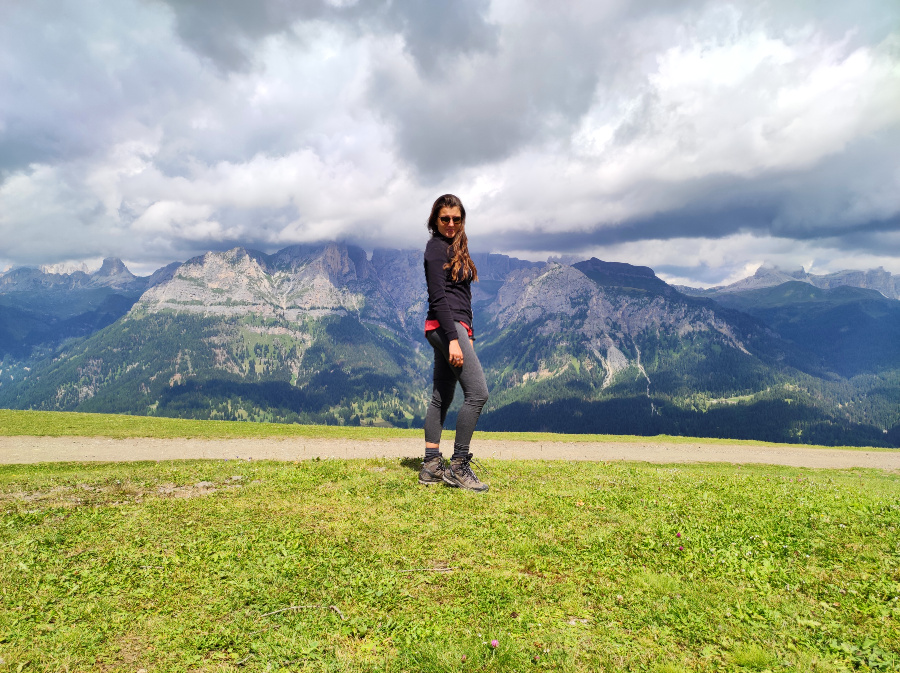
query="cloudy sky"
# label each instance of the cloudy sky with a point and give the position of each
(700, 138)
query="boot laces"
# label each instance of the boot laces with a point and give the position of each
(466, 468)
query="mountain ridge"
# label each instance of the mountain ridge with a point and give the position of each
(114, 273)
(328, 333)
(878, 279)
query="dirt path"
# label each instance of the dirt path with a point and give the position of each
(54, 449)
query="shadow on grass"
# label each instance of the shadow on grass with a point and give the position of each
(414, 464)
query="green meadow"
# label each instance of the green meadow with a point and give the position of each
(351, 566)
(121, 426)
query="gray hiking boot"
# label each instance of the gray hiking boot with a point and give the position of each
(432, 471)
(459, 473)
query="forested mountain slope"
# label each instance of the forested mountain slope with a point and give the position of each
(598, 347)
(39, 309)
(313, 333)
(326, 333)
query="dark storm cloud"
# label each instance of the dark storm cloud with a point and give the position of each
(487, 110)
(73, 81)
(31, 127)
(63, 97)
(228, 31)
(814, 205)
(500, 107)
(436, 33)
(681, 223)
(881, 237)
(554, 65)
(19, 146)
(702, 223)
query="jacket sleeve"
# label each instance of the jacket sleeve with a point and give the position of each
(436, 279)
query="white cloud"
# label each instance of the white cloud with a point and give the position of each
(751, 106)
(44, 213)
(593, 119)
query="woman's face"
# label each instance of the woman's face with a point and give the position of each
(449, 221)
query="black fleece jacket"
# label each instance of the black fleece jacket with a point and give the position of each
(448, 301)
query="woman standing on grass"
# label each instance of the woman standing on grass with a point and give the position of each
(449, 272)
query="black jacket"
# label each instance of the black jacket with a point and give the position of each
(448, 301)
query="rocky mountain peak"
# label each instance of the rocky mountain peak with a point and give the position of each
(769, 276)
(293, 283)
(336, 262)
(765, 276)
(112, 274)
(625, 276)
(163, 274)
(497, 267)
(339, 261)
(616, 268)
(66, 268)
(310, 280)
(529, 294)
(113, 267)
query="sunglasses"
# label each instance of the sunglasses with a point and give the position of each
(446, 219)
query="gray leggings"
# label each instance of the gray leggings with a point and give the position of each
(470, 377)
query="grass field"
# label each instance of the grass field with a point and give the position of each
(118, 426)
(350, 566)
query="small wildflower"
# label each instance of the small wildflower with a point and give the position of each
(677, 534)
(464, 657)
(680, 548)
(495, 643)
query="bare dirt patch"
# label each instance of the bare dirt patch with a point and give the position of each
(81, 495)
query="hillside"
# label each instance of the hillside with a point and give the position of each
(631, 355)
(40, 308)
(851, 330)
(314, 334)
(328, 334)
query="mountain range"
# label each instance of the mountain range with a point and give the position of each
(878, 279)
(327, 333)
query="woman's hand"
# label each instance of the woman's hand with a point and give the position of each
(456, 355)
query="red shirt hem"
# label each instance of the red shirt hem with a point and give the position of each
(431, 325)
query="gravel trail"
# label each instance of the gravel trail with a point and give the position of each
(79, 449)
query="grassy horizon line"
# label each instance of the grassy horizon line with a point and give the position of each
(15, 422)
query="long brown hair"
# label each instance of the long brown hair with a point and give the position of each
(460, 263)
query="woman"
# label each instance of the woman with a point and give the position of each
(449, 272)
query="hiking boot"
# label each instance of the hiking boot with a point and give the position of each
(432, 471)
(459, 473)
